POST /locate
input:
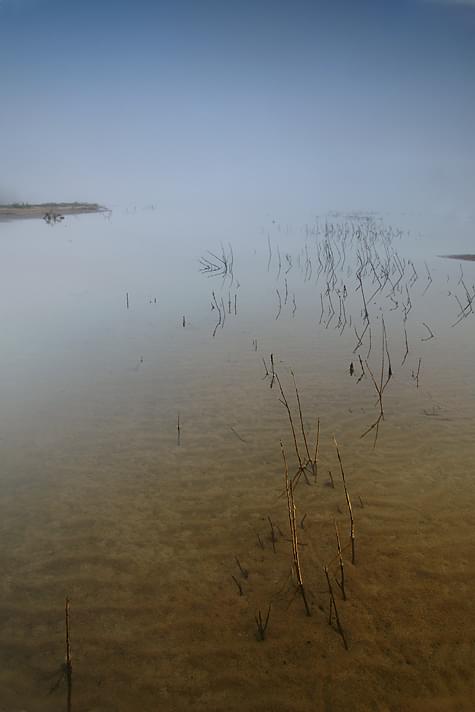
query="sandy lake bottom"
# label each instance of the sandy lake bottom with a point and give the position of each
(103, 501)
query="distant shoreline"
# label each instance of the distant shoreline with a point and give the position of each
(22, 211)
(470, 258)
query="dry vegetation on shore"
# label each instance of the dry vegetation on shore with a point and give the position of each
(12, 211)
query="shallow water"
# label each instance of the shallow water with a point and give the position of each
(100, 503)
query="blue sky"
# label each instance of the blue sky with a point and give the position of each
(342, 104)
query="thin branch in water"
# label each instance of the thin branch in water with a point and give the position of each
(224, 313)
(235, 432)
(429, 277)
(294, 305)
(280, 304)
(273, 536)
(262, 624)
(381, 411)
(418, 372)
(365, 313)
(66, 669)
(333, 607)
(431, 333)
(406, 354)
(362, 370)
(304, 436)
(220, 317)
(293, 532)
(370, 344)
(267, 374)
(348, 502)
(386, 349)
(315, 455)
(241, 593)
(285, 403)
(68, 662)
(244, 572)
(341, 583)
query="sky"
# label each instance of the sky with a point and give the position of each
(250, 105)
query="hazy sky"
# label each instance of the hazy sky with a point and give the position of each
(347, 104)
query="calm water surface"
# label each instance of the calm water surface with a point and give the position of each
(91, 392)
(70, 347)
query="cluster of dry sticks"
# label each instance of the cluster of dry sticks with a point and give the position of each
(349, 256)
(221, 309)
(355, 260)
(219, 265)
(306, 468)
(355, 253)
(359, 252)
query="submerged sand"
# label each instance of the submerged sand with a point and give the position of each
(142, 535)
(99, 502)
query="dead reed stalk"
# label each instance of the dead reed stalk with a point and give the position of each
(418, 372)
(381, 386)
(272, 370)
(431, 333)
(381, 410)
(304, 435)
(293, 532)
(317, 448)
(244, 572)
(406, 353)
(341, 583)
(241, 593)
(273, 536)
(280, 304)
(348, 502)
(68, 661)
(262, 624)
(333, 607)
(285, 403)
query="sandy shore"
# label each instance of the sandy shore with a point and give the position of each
(19, 212)
(470, 258)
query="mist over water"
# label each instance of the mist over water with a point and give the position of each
(67, 332)
(282, 181)
(231, 111)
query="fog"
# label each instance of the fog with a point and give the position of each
(222, 112)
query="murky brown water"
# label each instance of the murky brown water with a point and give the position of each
(98, 501)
